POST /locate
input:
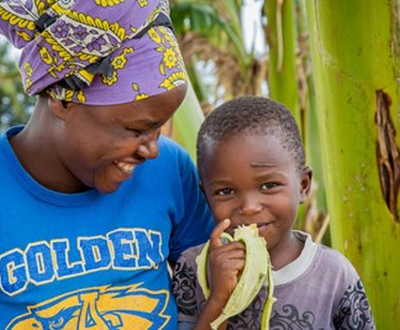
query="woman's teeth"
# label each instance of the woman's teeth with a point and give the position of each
(127, 168)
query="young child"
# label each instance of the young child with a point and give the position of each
(252, 167)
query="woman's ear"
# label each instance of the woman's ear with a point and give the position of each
(305, 184)
(61, 109)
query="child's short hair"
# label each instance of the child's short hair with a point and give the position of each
(251, 115)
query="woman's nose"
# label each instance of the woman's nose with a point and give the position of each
(148, 147)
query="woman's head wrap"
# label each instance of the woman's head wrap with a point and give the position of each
(97, 52)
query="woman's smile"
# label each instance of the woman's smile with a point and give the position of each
(125, 167)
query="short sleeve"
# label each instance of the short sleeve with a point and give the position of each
(184, 287)
(353, 310)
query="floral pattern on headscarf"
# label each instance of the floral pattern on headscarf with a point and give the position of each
(62, 39)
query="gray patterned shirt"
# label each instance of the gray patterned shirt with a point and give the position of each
(320, 290)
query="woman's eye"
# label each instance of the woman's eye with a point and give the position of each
(135, 132)
(224, 192)
(269, 185)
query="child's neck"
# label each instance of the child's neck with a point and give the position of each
(288, 250)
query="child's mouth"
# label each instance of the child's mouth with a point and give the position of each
(264, 227)
(263, 224)
(260, 226)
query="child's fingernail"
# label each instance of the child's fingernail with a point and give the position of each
(224, 240)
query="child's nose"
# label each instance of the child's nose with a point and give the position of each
(250, 206)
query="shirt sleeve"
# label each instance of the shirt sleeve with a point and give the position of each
(185, 326)
(194, 224)
(354, 311)
(184, 288)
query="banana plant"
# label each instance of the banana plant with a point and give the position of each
(282, 41)
(185, 124)
(355, 55)
(208, 31)
(290, 82)
(211, 31)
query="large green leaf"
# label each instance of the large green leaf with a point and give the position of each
(355, 67)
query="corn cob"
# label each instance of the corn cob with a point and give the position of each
(257, 268)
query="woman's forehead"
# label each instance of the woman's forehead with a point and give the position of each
(148, 112)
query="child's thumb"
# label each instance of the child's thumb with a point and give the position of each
(215, 238)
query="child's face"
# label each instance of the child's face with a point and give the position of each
(252, 179)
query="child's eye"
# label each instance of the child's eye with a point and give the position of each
(268, 185)
(224, 192)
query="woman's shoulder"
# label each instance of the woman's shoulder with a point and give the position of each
(172, 150)
(166, 144)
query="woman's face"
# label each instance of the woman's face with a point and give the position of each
(100, 146)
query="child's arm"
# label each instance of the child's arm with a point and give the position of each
(225, 262)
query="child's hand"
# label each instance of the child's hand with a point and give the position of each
(225, 263)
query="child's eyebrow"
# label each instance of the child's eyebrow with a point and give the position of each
(256, 164)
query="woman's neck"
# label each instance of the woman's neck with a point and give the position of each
(34, 147)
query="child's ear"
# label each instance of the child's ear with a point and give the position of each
(305, 184)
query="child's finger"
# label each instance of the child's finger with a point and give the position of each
(215, 240)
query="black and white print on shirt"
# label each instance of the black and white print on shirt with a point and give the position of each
(354, 311)
(184, 287)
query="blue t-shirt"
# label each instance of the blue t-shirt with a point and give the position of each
(75, 261)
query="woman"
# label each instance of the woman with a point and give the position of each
(95, 201)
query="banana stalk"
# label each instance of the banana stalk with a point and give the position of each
(256, 270)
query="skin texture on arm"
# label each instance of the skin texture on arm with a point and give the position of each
(225, 262)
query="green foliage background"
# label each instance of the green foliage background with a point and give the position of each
(15, 105)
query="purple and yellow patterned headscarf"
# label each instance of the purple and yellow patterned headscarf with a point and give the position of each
(97, 52)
